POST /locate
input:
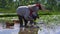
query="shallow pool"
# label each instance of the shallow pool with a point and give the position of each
(10, 31)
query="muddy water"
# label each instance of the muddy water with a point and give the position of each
(53, 29)
(9, 31)
(50, 28)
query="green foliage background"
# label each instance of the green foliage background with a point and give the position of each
(10, 6)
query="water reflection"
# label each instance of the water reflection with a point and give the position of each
(49, 30)
(10, 31)
(52, 29)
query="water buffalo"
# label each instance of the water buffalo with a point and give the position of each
(28, 13)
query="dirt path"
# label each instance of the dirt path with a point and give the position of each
(29, 31)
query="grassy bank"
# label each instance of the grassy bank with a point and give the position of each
(11, 12)
(7, 10)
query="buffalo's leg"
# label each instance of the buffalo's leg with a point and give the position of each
(20, 20)
(26, 21)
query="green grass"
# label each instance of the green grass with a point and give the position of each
(49, 13)
(47, 19)
(2, 10)
(12, 12)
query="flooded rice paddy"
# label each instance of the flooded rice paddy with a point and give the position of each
(49, 24)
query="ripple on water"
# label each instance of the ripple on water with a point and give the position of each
(49, 30)
(10, 31)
